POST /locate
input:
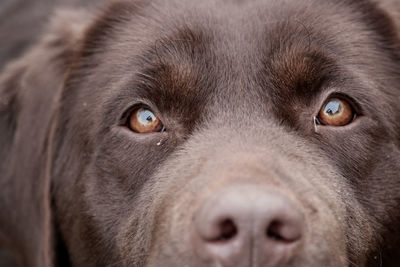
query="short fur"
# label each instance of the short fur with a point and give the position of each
(237, 84)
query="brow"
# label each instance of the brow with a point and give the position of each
(172, 66)
(297, 63)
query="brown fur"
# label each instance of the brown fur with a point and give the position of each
(236, 84)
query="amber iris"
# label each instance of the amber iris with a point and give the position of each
(143, 120)
(336, 112)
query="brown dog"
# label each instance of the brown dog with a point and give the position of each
(201, 133)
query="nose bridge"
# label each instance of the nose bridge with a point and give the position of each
(242, 133)
(259, 153)
(259, 166)
(242, 196)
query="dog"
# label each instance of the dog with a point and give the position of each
(200, 133)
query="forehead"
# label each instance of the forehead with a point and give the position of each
(230, 34)
(234, 30)
(250, 50)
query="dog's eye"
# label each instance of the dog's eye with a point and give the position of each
(336, 112)
(143, 120)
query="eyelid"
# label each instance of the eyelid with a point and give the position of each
(341, 95)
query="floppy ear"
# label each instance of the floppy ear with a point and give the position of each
(392, 9)
(29, 92)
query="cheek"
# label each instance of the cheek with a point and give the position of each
(119, 193)
(379, 190)
(351, 151)
(130, 159)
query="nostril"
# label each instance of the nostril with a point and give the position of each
(227, 230)
(247, 226)
(273, 231)
(283, 232)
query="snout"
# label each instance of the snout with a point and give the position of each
(249, 210)
(245, 225)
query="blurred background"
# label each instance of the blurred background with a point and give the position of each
(22, 21)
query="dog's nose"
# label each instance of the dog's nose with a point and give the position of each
(248, 226)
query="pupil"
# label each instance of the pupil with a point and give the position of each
(146, 116)
(332, 107)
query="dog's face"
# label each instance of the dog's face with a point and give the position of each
(233, 133)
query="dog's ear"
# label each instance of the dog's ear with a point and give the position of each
(30, 88)
(392, 9)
